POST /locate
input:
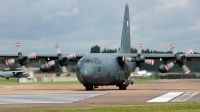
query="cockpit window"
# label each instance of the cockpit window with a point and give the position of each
(87, 60)
(92, 62)
(80, 61)
(97, 61)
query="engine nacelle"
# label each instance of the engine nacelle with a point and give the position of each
(44, 68)
(162, 69)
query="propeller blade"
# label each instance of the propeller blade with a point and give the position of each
(64, 70)
(31, 56)
(10, 61)
(190, 52)
(18, 47)
(71, 56)
(186, 69)
(149, 61)
(169, 66)
(139, 49)
(24, 69)
(50, 63)
(123, 58)
(57, 48)
(136, 71)
(127, 58)
(173, 49)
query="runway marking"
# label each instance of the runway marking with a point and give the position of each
(166, 97)
(186, 96)
(44, 98)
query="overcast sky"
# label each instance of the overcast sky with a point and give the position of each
(77, 25)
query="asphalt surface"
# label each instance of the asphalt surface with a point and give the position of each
(61, 96)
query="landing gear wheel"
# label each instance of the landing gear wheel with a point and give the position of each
(89, 87)
(122, 87)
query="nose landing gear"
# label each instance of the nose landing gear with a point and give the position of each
(122, 86)
(89, 87)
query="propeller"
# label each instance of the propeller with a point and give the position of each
(63, 61)
(179, 60)
(139, 60)
(21, 59)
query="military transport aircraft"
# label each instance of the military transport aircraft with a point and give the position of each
(100, 69)
(15, 74)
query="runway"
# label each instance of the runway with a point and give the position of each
(39, 97)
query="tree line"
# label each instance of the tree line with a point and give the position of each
(97, 49)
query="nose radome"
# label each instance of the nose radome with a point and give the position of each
(87, 72)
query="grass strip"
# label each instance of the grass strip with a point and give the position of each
(186, 107)
(14, 81)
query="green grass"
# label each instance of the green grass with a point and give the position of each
(140, 80)
(12, 81)
(188, 107)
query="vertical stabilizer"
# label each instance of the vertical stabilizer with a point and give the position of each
(125, 40)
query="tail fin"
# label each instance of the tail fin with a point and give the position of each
(125, 40)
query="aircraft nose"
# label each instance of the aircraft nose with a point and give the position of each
(87, 72)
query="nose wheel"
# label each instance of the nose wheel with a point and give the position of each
(89, 87)
(122, 87)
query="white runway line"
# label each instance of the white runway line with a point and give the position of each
(186, 96)
(166, 97)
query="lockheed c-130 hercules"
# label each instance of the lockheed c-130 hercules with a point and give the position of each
(15, 74)
(100, 69)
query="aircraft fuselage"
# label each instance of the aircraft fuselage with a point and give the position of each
(9, 74)
(102, 69)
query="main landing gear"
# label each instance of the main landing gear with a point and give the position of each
(89, 87)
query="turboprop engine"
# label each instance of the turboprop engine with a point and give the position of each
(44, 68)
(179, 60)
(163, 69)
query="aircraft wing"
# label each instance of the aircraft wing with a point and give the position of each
(193, 57)
(8, 56)
(55, 56)
(169, 60)
(42, 56)
(158, 57)
(51, 59)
